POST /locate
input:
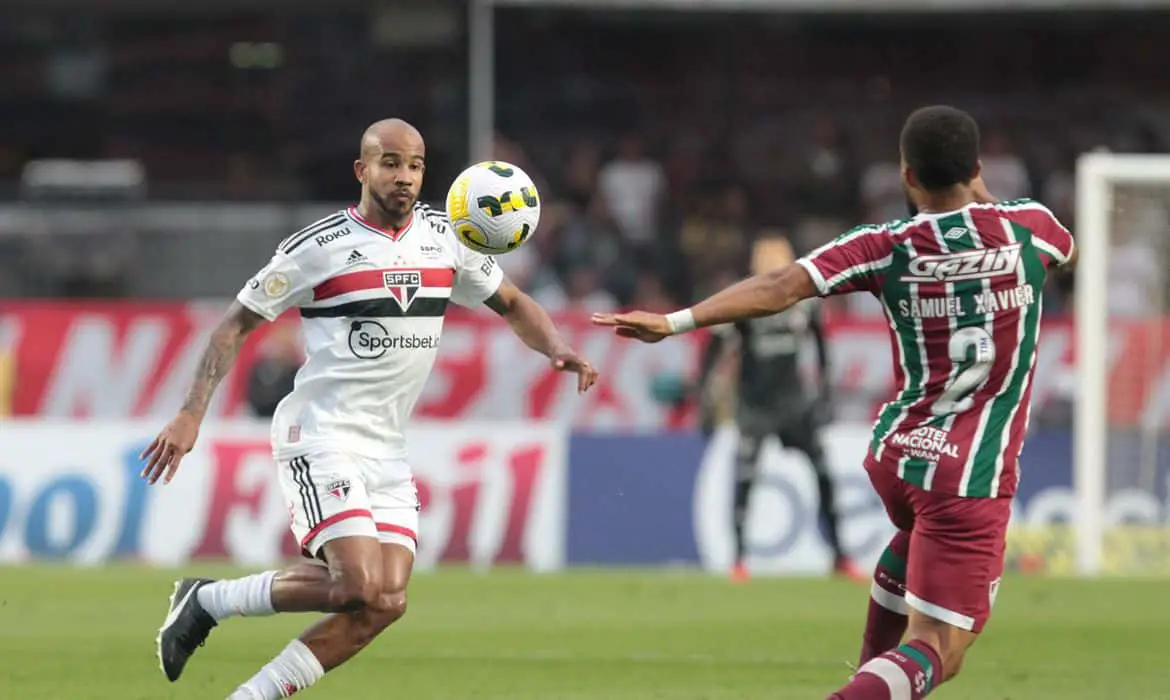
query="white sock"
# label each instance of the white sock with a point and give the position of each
(295, 669)
(250, 596)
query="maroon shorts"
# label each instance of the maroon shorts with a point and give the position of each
(956, 548)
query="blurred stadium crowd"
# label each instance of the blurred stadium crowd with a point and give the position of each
(663, 144)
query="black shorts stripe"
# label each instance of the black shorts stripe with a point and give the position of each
(295, 241)
(295, 468)
(427, 307)
(313, 495)
(309, 499)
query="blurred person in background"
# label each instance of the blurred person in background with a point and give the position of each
(1136, 271)
(826, 189)
(882, 195)
(271, 376)
(650, 293)
(714, 235)
(581, 173)
(592, 239)
(1004, 172)
(633, 186)
(773, 401)
(582, 291)
(372, 283)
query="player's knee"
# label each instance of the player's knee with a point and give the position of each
(359, 590)
(372, 620)
(391, 605)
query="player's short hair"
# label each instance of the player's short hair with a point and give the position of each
(941, 146)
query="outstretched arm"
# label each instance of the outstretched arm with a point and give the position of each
(531, 323)
(166, 451)
(761, 295)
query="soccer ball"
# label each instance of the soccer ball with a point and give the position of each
(493, 207)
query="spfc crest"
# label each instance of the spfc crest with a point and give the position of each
(403, 286)
(339, 489)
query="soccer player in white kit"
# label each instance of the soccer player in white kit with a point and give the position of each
(372, 283)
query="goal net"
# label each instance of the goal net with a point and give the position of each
(1121, 385)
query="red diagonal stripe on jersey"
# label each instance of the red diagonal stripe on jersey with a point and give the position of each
(372, 279)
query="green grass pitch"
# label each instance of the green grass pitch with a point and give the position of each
(75, 634)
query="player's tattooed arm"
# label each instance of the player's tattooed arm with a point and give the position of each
(219, 355)
(163, 455)
(531, 323)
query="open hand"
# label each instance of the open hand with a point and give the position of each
(168, 449)
(569, 361)
(642, 325)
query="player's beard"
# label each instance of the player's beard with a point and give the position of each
(394, 210)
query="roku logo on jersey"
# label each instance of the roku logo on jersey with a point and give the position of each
(330, 237)
(969, 265)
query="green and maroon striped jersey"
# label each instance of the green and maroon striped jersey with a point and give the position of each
(962, 292)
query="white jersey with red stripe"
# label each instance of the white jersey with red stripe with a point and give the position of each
(372, 303)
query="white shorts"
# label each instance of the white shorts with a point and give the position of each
(331, 495)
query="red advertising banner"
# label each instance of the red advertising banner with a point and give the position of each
(119, 360)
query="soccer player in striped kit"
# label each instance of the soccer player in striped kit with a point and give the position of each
(961, 285)
(371, 284)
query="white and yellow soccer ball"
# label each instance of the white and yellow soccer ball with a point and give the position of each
(493, 207)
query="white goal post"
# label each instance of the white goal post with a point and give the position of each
(1098, 175)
